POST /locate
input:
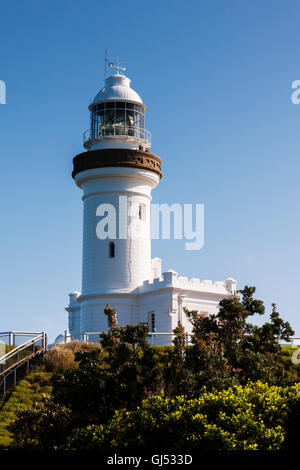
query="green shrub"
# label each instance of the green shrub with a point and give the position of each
(252, 417)
(26, 393)
(46, 426)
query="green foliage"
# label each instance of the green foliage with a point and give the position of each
(45, 427)
(120, 374)
(177, 377)
(252, 417)
(112, 392)
(227, 349)
(111, 314)
(27, 393)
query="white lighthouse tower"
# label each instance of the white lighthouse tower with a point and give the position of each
(116, 174)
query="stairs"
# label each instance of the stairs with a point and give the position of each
(17, 363)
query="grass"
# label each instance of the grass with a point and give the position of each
(32, 388)
(287, 350)
(25, 394)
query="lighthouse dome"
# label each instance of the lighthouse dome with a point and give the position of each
(117, 117)
(117, 87)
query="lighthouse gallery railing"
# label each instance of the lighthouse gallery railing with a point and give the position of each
(117, 131)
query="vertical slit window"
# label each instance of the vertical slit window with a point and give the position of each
(151, 321)
(142, 212)
(111, 249)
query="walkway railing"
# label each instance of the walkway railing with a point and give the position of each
(154, 338)
(295, 342)
(19, 356)
(15, 338)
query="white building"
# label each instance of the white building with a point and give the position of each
(116, 174)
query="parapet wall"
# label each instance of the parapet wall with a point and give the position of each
(171, 279)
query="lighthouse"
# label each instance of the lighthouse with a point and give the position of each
(116, 174)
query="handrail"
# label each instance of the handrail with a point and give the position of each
(17, 350)
(21, 347)
(11, 337)
(20, 333)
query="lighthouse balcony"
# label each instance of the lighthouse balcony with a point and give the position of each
(141, 137)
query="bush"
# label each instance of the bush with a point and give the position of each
(62, 357)
(45, 427)
(252, 417)
(200, 394)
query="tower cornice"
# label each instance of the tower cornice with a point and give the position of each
(103, 158)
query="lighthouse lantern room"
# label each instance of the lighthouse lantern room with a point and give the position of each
(117, 117)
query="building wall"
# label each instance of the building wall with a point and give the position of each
(92, 317)
(73, 310)
(165, 296)
(132, 262)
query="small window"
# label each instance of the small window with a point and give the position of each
(151, 321)
(111, 249)
(142, 212)
(203, 315)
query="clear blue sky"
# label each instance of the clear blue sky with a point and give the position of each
(216, 76)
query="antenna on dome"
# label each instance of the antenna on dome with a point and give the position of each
(105, 61)
(115, 66)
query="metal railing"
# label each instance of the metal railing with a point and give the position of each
(294, 341)
(154, 338)
(117, 131)
(13, 338)
(12, 361)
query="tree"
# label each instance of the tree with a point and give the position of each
(226, 350)
(226, 347)
(206, 360)
(178, 378)
(119, 375)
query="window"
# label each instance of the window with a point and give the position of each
(151, 321)
(111, 249)
(142, 212)
(203, 315)
(117, 118)
(110, 105)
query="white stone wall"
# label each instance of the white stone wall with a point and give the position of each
(74, 314)
(131, 265)
(92, 312)
(165, 296)
(132, 262)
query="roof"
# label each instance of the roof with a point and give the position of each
(117, 87)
